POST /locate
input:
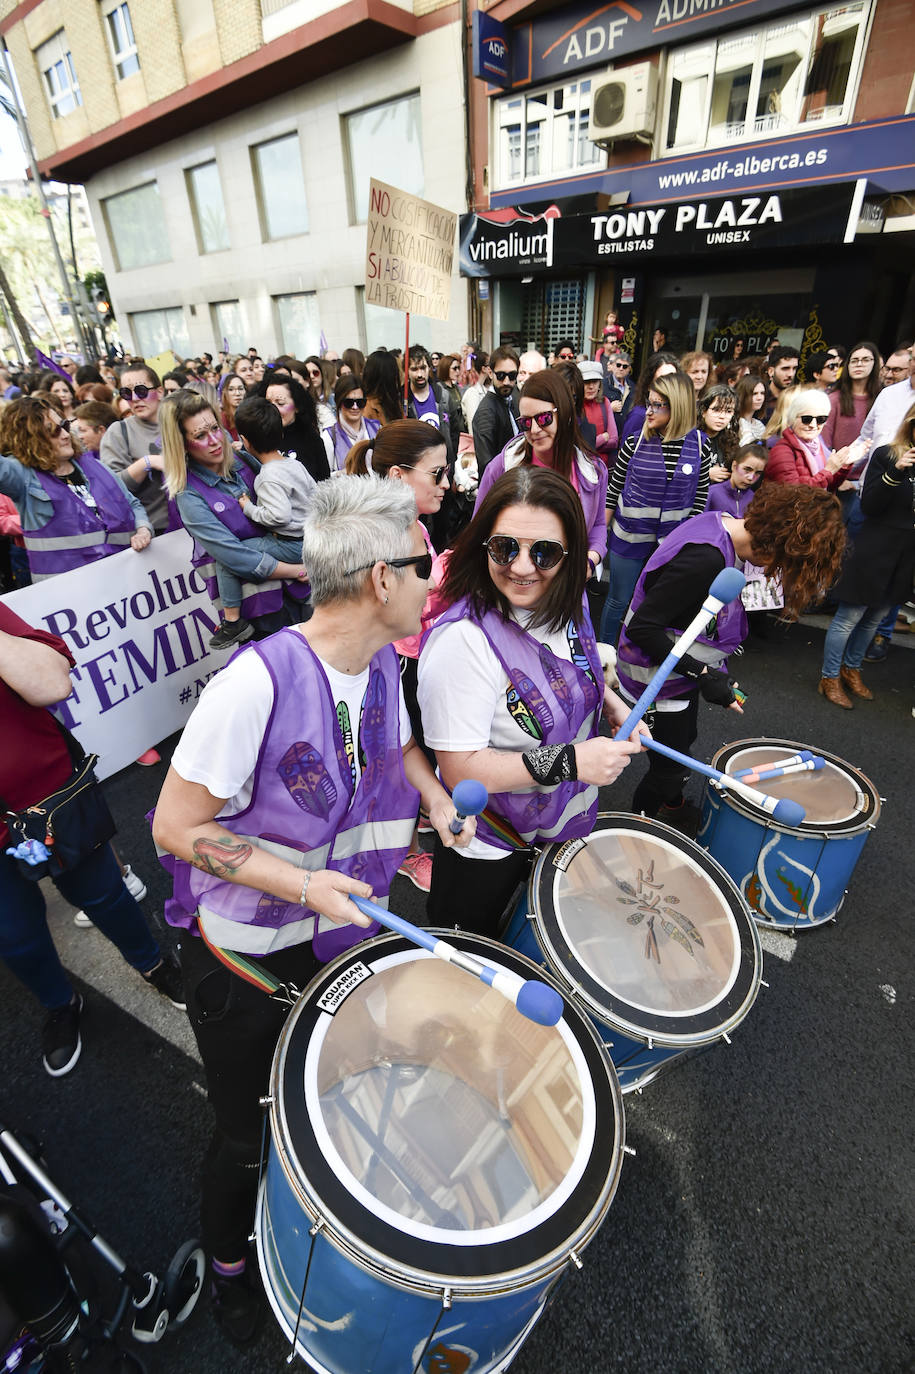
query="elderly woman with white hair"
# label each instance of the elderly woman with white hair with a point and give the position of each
(296, 783)
(800, 457)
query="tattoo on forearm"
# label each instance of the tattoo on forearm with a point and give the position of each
(222, 858)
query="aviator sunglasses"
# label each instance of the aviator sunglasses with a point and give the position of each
(544, 553)
(420, 562)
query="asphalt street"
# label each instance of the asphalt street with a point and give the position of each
(766, 1221)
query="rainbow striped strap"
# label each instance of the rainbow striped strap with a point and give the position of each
(505, 831)
(260, 978)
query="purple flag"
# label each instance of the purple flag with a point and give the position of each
(225, 344)
(322, 343)
(49, 365)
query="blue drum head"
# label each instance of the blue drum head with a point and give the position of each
(436, 1130)
(653, 936)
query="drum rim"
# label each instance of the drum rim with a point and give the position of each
(851, 825)
(394, 1255)
(592, 996)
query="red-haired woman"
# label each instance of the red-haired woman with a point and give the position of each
(796, 533)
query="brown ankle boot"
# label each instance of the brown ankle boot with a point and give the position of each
(831, 689)
(855, 682)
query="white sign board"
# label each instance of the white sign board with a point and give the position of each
(138, 625)
(409, 252)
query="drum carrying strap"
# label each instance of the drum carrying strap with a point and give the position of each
(501, 827)
(259, 977)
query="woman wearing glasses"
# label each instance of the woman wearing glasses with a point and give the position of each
(660, 478)
(308, 737)
(351, 426)
(800, 456)
(550, 438)
(72, 509)
(512, 693)
(249, 574)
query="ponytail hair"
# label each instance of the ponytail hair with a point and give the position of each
(402, 443)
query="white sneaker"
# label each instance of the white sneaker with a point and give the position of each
(135, 886)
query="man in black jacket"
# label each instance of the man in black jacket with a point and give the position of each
(496, 417)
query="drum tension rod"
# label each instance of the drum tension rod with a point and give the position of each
(630, 1149)
(575, 1260)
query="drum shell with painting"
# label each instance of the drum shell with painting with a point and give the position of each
(793, 877)
(409, 1100)
(653, 991)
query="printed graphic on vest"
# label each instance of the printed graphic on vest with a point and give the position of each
(306, 779)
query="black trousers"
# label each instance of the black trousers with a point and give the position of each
(662, 785)
(237, 1028)
(474, 893)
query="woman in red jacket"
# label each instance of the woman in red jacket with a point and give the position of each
(800, 458)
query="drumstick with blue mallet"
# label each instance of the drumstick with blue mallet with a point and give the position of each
(805, 762)
(726, 587)
(781, 809)
(535, 1000)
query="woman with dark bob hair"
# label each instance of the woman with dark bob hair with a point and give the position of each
(383, 387)
(795, 533)
(550, 438)
(351, 426)
(512, 693)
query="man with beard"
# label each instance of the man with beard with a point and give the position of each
(496, 418)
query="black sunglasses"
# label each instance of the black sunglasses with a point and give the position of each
(505, 376)
(435, 473)
(544, 553)
(140, 392)
(64, 425)
(813, 419)
(422, 562)
(354, 402)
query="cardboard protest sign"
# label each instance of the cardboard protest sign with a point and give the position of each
(409, 253)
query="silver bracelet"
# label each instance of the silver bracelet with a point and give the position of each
(302, 901)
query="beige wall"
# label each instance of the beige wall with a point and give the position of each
(329, 259)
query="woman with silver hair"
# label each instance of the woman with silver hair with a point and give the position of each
(296, 782)
(800, 457)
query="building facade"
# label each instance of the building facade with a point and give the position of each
(226, 148)
(717, 171)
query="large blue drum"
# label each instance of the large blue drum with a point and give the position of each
(647, 936)
(437, 1163)
(792, 877)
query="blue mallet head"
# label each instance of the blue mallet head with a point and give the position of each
(788, 812)
(539, 1002)
(728, 585)
(469, 797)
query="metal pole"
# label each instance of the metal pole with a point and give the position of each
(15, 344)
(69, 294)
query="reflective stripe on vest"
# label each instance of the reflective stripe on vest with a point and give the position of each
(75, 541)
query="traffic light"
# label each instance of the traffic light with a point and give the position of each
(101, 304)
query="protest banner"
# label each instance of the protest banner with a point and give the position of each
(409, 253)
(162, 363)
(138, 625)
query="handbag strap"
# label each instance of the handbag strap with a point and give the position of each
(259, 977)
(77, 754)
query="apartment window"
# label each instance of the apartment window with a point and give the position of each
(227, 325)
(778, 79)
(280, 187)
(156, 330)
(120, 37)
(299, 323)
(204, 191)
(61, 86)
(545, 134)
(136, 227)
(384, 142)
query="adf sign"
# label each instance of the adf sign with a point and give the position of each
(409, 253)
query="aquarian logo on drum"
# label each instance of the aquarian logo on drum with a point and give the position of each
(341, 987)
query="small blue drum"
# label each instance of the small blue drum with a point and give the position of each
(796, 877)
(437, 1163)
(647, 936)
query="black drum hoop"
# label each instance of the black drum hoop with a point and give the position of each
(376, 1244)
(595, 999)
(864, 819)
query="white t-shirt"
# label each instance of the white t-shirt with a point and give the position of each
(222, 739)
(461, 688)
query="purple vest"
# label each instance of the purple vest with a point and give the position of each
(303, 806)
(257, 598)
(727, 499)
(634, 668)
(75, 534)
(561, 701)
(651, 504)
(342, 443)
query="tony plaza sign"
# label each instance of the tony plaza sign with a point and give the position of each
(493, 247)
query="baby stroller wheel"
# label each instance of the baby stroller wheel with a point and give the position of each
(183, 1282)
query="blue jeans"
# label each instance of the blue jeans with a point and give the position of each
(96, 885)
(852, 629)
(285, 550)
(888, 623)
(624, 574)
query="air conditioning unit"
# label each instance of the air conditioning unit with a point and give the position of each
(624, 104)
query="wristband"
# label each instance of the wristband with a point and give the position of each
(552, 764)
(147, 464)
(302, 901)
